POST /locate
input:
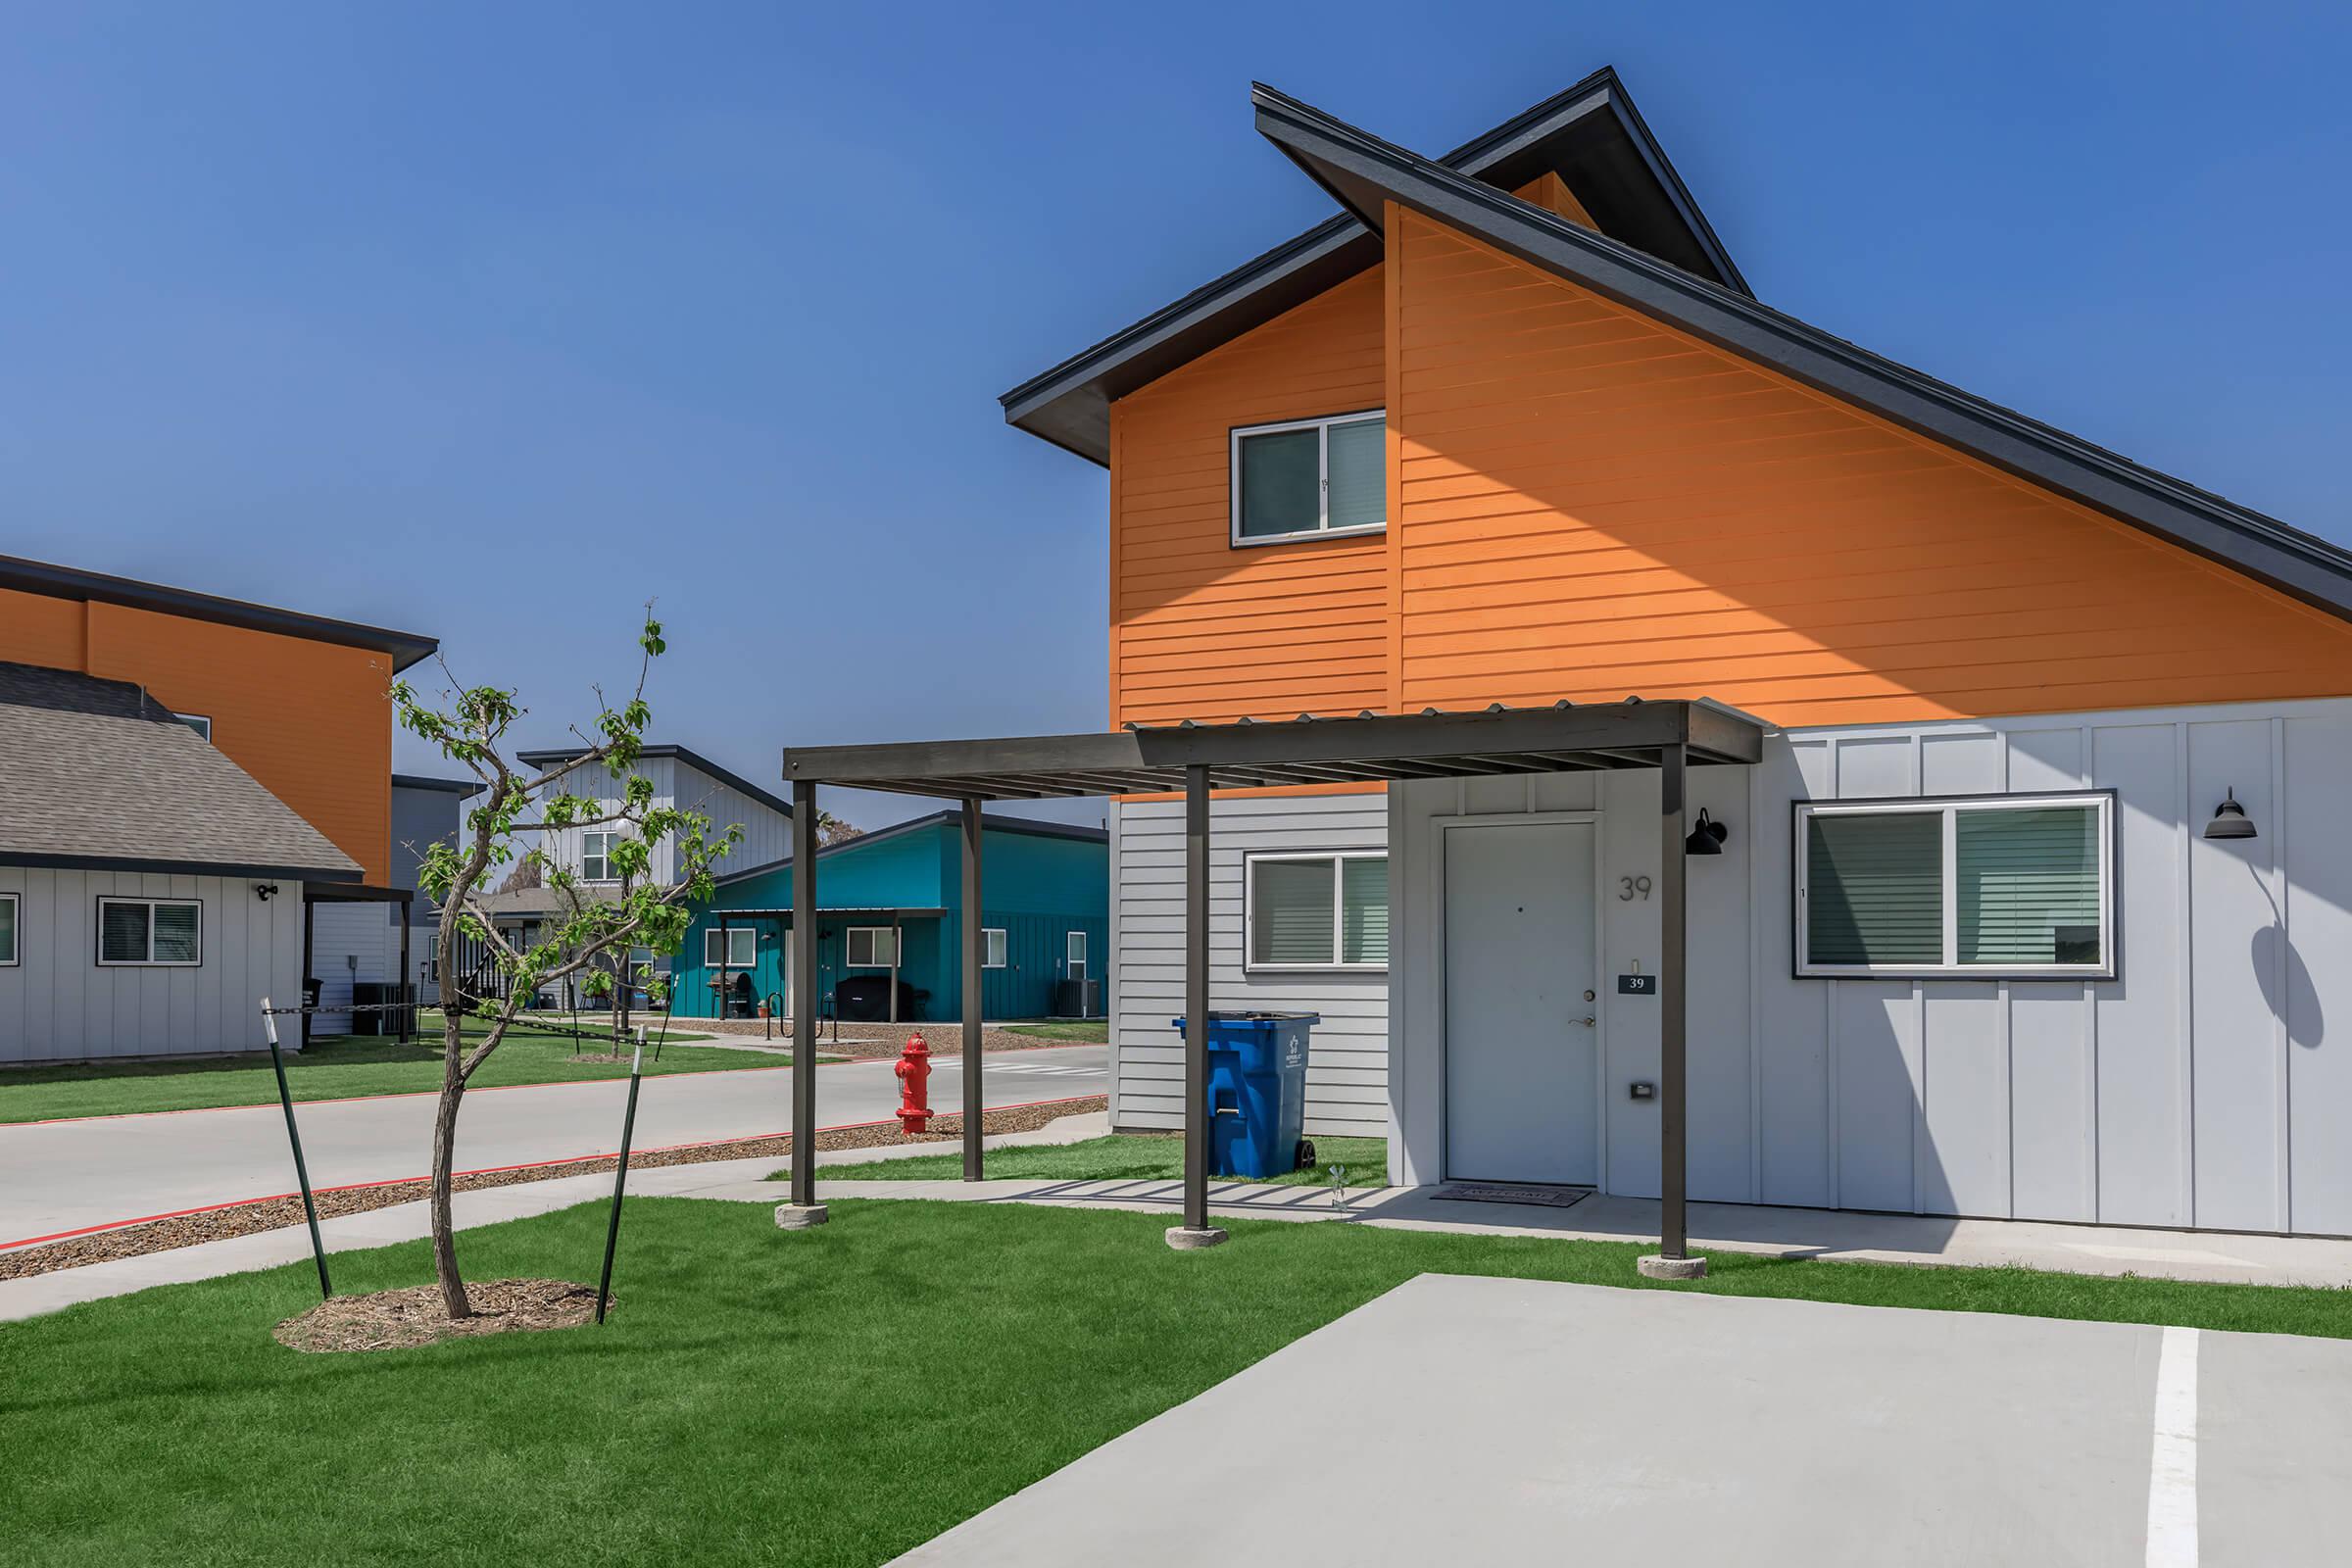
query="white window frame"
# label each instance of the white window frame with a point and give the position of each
(1073, 955)
(151, 962)
(994, 940)
(607, 835)
(201, 723)
(1338, 873)
(1322, 529)
(1951, 806)
(874, 936)
(711, 961)
(16, 931)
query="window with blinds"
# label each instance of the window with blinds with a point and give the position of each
(2002, 886)
(1321, 910)
(1310, 477)
(10, 958)
(155, 932)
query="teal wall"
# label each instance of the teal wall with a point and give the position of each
(1036, 888)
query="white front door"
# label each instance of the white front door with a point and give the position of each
(1522, 1039)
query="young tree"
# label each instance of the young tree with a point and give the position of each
(470, 725)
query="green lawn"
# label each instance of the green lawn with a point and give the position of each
(1079, 1031)
(337, 1067)
(834, 1396)
(1121, 1156)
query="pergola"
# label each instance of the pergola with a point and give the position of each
(1194, 759)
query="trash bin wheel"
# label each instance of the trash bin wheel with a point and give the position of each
(1306, 1154)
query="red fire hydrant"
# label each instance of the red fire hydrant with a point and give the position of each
(915, 1072)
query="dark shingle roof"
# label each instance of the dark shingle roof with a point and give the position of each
(98, 773)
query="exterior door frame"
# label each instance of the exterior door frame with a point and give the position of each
(1433, 901)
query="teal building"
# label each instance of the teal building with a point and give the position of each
(890, 907)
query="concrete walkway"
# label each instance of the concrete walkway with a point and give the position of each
(1521, 1421)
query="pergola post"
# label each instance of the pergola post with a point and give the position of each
(1673, 1259)
(804, 1211)
(972, 957)
(1196, 1231)
(401, 996)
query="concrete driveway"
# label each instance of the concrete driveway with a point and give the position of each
(58, 1177)
(1486, 1420)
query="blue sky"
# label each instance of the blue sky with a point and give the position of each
(491, 321)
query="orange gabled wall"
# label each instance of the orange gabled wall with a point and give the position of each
(311, 721)
(1593, 505)
(1203, 631)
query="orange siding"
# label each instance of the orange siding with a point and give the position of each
(1201, 629)
(1594, 505)
(309, 720)
(1551, 192)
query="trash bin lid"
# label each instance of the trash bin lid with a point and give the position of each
(1216, 1017)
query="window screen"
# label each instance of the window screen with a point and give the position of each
(2029, 882)
(1359, 476)
(1364, 910)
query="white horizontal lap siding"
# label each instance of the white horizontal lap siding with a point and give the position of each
(339, 933)
(1347, 1061)
(58, 1005)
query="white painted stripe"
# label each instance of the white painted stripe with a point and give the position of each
(2173, 1465)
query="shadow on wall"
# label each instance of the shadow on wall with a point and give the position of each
(2284, 978)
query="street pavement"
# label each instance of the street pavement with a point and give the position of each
(68, 1176)
(1520, 1421)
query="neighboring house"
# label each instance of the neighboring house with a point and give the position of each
(1986, 935)
(152, 891)
(890, 906)
(682, 778)
(361, 943)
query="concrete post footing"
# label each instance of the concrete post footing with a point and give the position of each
(798, 1216)
(1658, 1267)
(1192, 1240)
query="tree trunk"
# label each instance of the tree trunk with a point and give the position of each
(445, 1151)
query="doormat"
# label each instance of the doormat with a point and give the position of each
(1498, 1193)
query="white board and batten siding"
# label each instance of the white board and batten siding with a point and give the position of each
(367, 932)
(2209, 1085)
(1346, 1080)
(57, 1003)
(766, 831)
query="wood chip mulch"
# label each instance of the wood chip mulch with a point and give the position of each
(403, 1319)
(245, 1219)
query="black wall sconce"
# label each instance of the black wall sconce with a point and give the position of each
(1707, 838)
(262, 890)
(2230, 819)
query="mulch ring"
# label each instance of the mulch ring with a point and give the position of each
(401, 1320)
(245, 1219)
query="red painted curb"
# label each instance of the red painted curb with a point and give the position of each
(486, 1171)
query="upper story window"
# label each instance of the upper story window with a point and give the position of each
(2019, 886)
(197, 722)
(1310, 478)
(596, 858)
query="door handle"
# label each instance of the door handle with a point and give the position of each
(1582, 1022)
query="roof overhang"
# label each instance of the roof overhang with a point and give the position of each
(1362, 171)
(1590, 135)
(1367, 748)
(164, 868)
(561, 756)
(71, 582)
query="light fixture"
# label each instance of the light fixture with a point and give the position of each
(262, 890)
(1707, 838)
(2230, 819)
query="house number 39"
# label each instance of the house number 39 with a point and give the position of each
(1630, 888)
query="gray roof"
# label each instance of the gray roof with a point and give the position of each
(97, 773)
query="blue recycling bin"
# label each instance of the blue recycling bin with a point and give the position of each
(1257, 1090)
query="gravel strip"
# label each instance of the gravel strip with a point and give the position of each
(245, 1219)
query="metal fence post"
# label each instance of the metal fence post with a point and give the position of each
(302, 1171)
(620, 1176)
